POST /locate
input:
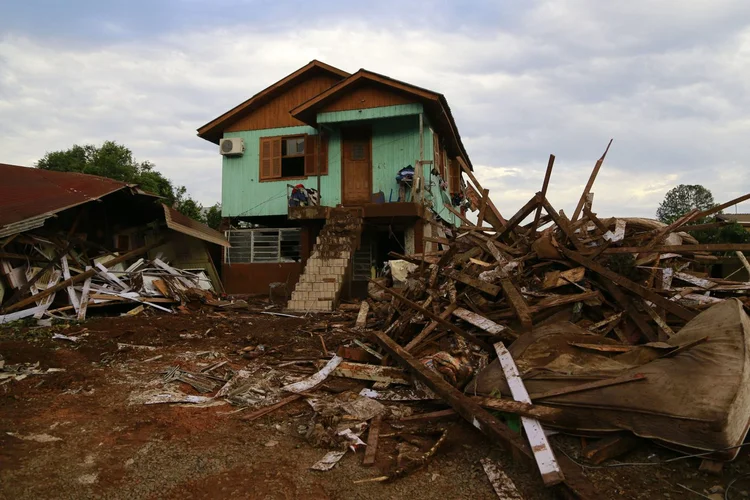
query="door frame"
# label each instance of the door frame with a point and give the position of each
(361, 130)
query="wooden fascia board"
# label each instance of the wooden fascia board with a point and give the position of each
(205, 131)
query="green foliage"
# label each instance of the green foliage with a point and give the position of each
(116, 161)
(213, 216)
(682, 199)
(730, 233)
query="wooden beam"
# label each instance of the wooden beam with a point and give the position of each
(719, 208)
(474, 282)
(517, 302)
(632, 286)
(494, 217)
(661, 233)
(706, 247)
(744, 261)
(426, 312)
(545, 184)
(590, 184)
(483, 206)
(589, 386)
(372, 441)
(83, 276)
(545, 458)
(480, 321)
(519, 216)
(563, 223)
(429, 328)
(610, 447)
(627, 305)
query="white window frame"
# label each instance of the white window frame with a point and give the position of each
(259, 249)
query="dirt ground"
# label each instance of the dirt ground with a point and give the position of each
(79, 434)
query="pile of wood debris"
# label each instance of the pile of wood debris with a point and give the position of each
(61, 276)
(634, 293)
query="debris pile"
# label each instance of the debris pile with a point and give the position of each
(61, 276)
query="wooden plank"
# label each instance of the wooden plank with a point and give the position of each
(562, 223)
(507, 405)
(474, 282)
(364, 309)
(466, 335)
(554, 279)
(610, 447)
(517, 302)
(268, 409)
(104, 273)
(501, 483)
(84, 297)
(429, 328)
(519, 216)
(372, 373)
(668, 332)
(625, 303)
(483, 206)
(589, 184)
(433, 239)
(543, 454)
(545, 184)
(426, 417)
(315, 379)
(670, 228)
(71, 291)
(83, 276)
(719, 208)
(706, 247)
(632, 286)
(494, 217)
(479, 321)
(603, 347)
(372, 441)
(625, 379)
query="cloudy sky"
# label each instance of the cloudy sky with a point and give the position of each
(668, 80)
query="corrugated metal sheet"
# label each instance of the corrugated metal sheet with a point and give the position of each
(185, 225)
(28, 196)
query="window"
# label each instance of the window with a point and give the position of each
(293, 157)
(263, 245)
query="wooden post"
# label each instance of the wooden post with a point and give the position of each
(545, 184)
(589, 184)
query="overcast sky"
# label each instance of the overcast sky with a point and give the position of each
(668, 80)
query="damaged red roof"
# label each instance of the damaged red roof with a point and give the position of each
(28, 194)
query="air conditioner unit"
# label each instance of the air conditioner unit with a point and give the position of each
(231, 146)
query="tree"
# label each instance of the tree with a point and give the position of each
(116, 161)
(682, 199)
(213, 216)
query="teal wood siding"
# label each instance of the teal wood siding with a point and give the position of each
(395, 144)
(370, 113)
(242, 194)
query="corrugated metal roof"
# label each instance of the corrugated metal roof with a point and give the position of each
(29, 196)
(184, 224)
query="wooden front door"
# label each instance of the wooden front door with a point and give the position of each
(356, 167)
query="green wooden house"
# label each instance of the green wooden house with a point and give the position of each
(320, 142)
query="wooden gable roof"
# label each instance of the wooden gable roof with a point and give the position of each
(348, 93)
(322, 74)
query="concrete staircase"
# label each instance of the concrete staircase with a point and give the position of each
(319, 287)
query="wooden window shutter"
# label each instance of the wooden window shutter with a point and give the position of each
(265, 157)
(435, 152)
(316, 150)
(275, 157)
(454, 172)
(311, 154)
(323, 156)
